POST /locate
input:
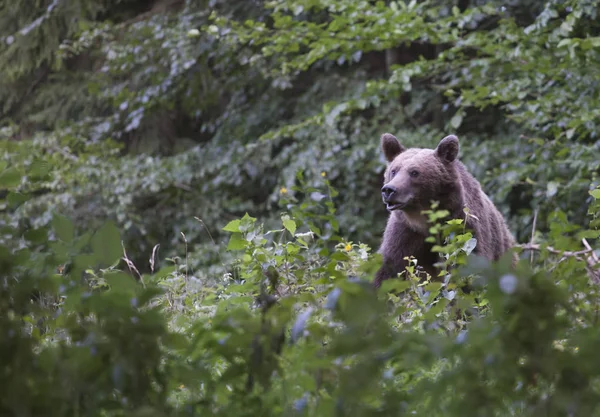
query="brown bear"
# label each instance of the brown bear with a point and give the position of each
(413, 179)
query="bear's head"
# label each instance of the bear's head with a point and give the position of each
(414, 177)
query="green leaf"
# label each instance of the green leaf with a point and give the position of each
(121, 282)
(332, 299)
(233, 226)
(236, 242)
(246, 222)
(564, 42)
(397, 285)
(163, 272)
(39, 168)
(595, 193)
(106, 243)
(63, 227)
(300, 324)
(551, 189)
(334, 113)
(36, 235)
(456, 120)
(470, 245)
(433, 287)
(339, 256)
(15, 199)
(595, 41)
(10, 177)
(289, 224)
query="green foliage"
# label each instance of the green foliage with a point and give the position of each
(296, 329)
(486, 60)
(218, 105)
(235, 144)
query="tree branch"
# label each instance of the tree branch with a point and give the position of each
(536, 247)
(591, 259)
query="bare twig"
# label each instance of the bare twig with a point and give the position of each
(594, 273)
(187, 262)
(588, 247)
(131, 266)
(205, 228)
(535, 247)
(591, 259)
(64, 153)
(211, 238)
(535, 214)
(182, 186)
(153, 257)
(592, 262)
(161, 7)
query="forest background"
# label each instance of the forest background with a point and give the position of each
(211, 169)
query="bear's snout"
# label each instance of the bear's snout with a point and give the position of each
(395, 198)
(388, 191)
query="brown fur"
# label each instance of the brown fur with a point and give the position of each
(423, 175)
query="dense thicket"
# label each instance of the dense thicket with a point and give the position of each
(214, 125)
(174, 118)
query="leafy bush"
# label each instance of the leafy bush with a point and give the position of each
(295, 327)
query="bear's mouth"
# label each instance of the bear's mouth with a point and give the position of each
(395, 206)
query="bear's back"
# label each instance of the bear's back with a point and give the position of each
(488, 224)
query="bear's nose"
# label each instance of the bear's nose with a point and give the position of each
(387, 191)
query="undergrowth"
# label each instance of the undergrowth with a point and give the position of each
(293, 325)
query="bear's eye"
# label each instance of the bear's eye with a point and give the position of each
(393, 173)
(414, 173)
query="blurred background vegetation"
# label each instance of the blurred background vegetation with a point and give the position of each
(159, 122)
(145, 123)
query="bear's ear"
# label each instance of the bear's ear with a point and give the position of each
(447, 149)
(391, 147)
